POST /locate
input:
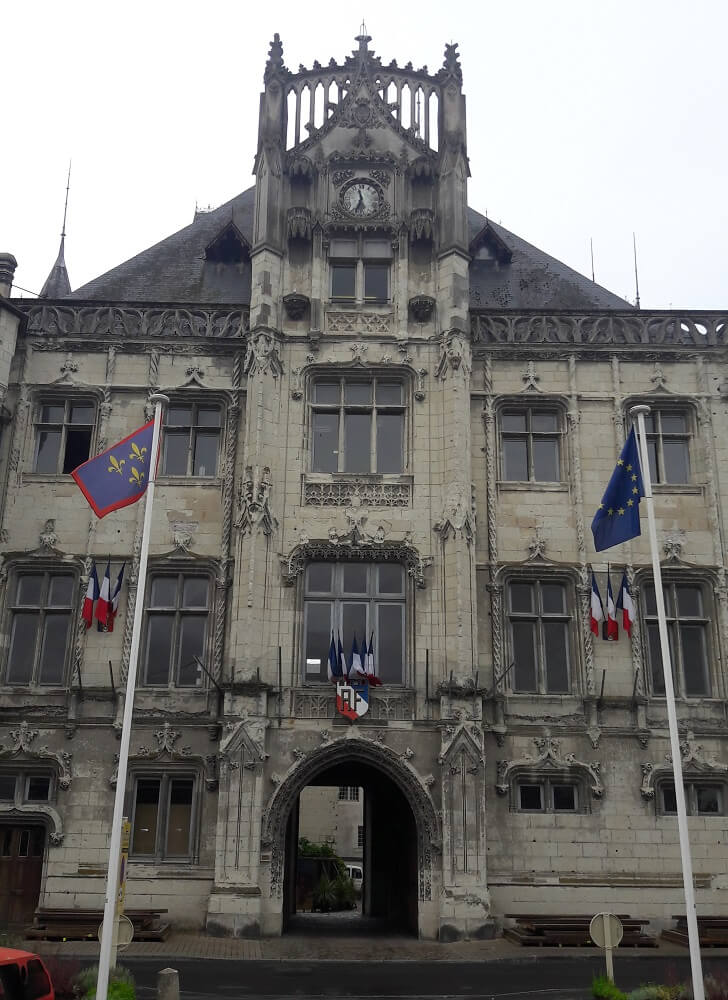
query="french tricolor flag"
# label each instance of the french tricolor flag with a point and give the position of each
(92, 593)
(115, 598)
(597, 609)
(103, 605)
(612, 630)
(625, 602)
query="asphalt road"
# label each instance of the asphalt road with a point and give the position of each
(530, 978)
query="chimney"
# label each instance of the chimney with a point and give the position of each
(8, 263)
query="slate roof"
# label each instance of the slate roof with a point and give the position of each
(57, 285)
(517, 276)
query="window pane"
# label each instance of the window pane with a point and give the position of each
(389, 442)
(353, 623)
(530, 797)
(677, 467)
(376, 282)
(194, 592)
(652, 456)
(521, 597)
(53, 654)
(650, 422)
(544, 422)
(650, 600)
(524, 655)
(82, 414)
(180, 416)
(159, 649)
(669, 799)
(390, 643)
(52, 413)
(546, 460)
(205, 463)
(326, 442)
(22, 647)
(653, 638)
(208, 416)
(343, 281)
(357, 431)
(318, 578)
(355, 578)
(144, 834)
(7, 787)
(389, 393)
(49, 445)
(513, 421)
(164, 592)
(60, 594)
(30, 588)
(557, 657)
(358, 393)
(515, 460)
(78, 448)
(179, 820)
(564, 798)
(695, 662)
(689, 602)
(39, 788)
(318, 637)
(674, 423)
(391, 578)
(191, 644)
(708, 799)
(326, 392)
(553, 598)
(176, 448)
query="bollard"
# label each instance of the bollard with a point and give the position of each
(168, 984)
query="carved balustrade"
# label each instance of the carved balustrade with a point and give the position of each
(55, 319)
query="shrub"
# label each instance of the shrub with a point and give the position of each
(604, 989)
(715, 988)
(324, 895)
(121, 983)
(8, 939)
(344, 892)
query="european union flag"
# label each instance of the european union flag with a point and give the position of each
(618, 516)
(118, 476)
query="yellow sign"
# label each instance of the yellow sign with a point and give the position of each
(123, 863)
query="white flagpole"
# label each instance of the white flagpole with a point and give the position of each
(682, 820)
(112, 877)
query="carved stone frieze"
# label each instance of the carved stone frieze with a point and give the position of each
(549, 757)
(383, 705)
(455, 354)
(21, 745)
(300, 223)
(693, 758)
(421, 224)
(358, 322)
(458, 515)
(261, 356)
(127, 322)
(166, 749)
(254, 510)
(346, 493)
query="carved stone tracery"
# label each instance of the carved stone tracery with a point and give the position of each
(167, 750)
(694, 761)
(21, 745)
(549, 758)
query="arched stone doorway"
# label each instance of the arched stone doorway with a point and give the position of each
(402, 832)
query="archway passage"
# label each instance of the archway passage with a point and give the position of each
(388, 854)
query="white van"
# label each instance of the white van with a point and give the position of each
(356, 874)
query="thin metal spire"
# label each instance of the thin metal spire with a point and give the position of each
(591, 250)
(65, 207)
(636, 278)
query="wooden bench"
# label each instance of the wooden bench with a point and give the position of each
(712, 931)
(72, 924)
(554, 931)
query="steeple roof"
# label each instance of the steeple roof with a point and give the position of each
(57, 285)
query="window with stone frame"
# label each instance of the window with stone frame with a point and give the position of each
(548, 794)
(19, 786)
(63, 434)
(359, 270)
(668, 430)
(358, 425)
(540, 624)
(687, 609)
(164, 816)
(177, 628)
(348, 793)
(191, 439)
(355, 600)
(703, 797)
(530, 437)
(42, 608)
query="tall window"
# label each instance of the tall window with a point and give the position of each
(162, 825)
(177, 623)
(687, 629)
(702, 798)
(63, 433)
(360, 270)
(539, 621)
(355, 600)
(668, 445)
(41, 611)
(191, 440)
(531, 444)
(358, 425)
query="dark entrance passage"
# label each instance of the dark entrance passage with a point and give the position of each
(21, 869)
(388, 857)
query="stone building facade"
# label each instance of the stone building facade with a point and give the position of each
(388, 415)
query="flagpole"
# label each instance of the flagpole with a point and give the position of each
(682, 821)
(112, 877)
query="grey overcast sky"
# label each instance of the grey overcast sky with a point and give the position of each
(585, 119)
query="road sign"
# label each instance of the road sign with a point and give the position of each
(124, 932)
(606, 932)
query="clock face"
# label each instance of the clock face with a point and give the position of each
(360, 199)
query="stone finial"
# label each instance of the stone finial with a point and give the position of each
(8, 263)
(451, 63)
(275, 58)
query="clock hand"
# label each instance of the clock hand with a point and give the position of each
(360, 204)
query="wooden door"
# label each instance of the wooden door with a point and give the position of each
(21, 868)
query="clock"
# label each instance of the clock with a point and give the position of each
(360, 198)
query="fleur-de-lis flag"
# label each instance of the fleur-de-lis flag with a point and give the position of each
(118, 476)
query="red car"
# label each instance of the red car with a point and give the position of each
(23, 976)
